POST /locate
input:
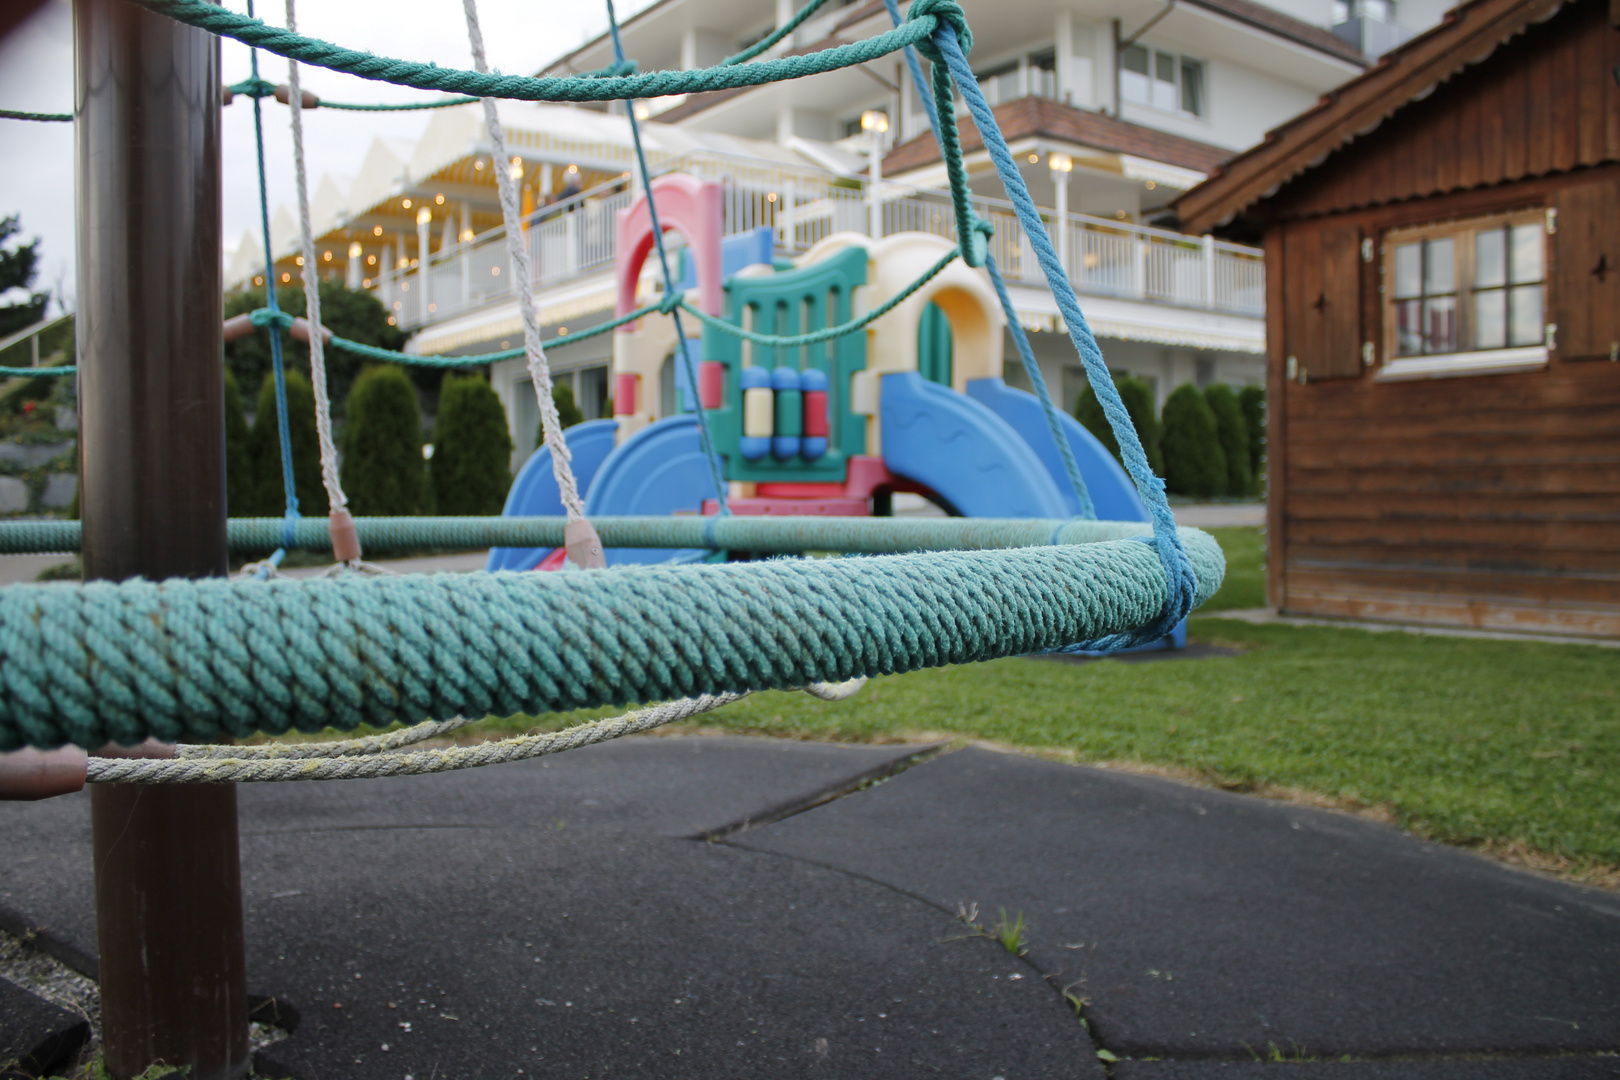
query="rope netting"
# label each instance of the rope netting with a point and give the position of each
(191, 661)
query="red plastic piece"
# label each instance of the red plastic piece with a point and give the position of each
(624, 393)
(712, 384)
(554, 561)
(815, 413)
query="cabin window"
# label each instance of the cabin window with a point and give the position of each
(1161, 80)
(1466, 287)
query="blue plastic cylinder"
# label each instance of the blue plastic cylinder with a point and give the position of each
(789, 413)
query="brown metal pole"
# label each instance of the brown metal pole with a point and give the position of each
(152, 475)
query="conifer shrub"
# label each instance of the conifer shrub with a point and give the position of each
(472, 449)
(568, 411)
(1193, 461)
(1233, 431)
(1138, 399)
(238, 465)
(1252, 399)
(267, 496)
(383, 472)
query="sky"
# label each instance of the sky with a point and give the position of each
(36, 75)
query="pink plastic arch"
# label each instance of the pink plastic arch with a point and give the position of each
(684, 203)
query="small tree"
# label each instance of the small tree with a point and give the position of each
(18, 268)
(383, 470)
(238, 464)
(268, 497)
(472, 449)
(1193, 462)
(568, 412)
(1138, 399)
(1233, 431)
(1252, 399)
(351, 313)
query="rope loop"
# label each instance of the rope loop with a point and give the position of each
(976, 241)
(946, 13)
(671, 301)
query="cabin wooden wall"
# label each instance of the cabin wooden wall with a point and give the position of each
(1484, 501)
(1544, 103)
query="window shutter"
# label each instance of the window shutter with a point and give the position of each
(1585, 279)
(1322, 300)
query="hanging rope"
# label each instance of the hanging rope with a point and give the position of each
(774, 36)
(946, 52)
(289, 486)
(584, 549)
(682, 348)
(36, 372)
(346, 545)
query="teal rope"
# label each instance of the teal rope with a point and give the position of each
(815, 337)
(47, 117)
(278, 367)
(682, 347)
(193, 660)
(406, 107)
(1177, 571)
(253, 86)
(31, 372)
(762, 533)
(774, 36)
(278, 40)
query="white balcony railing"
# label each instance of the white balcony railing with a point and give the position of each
(577, 237)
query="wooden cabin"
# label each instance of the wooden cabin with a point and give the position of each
(1442, 239)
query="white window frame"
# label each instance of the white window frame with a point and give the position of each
(1177, 60)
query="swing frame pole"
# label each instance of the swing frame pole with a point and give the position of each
(152, 474)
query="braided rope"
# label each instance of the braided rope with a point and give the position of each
(189, 661)
(368, 744)
(46, 117)
(683, 347)
(562, 461)
(30, 372)
(402, 107)
(335, 498)
(252, 32)
(240, 769)
(774, 36)
(816, 337)
(866, 535)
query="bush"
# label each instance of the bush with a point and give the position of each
(472, 450)
(568, 411)
(1193, 462)
(354, 314)
(383, 471)
(1252, 400)
(267, 497)
(238, 465)
(1233, 431)
(1138, 399)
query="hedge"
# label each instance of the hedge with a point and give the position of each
(238, 463)
(1193, 461)
(1138, 399)
(472, 449)
(383, 471)
(267, 497)
(1233, 431)
(1252, 399)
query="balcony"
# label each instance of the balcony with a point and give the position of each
(575, 240)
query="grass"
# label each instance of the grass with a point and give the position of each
(1508, 746)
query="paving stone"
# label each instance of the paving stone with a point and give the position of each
(1569, 1067)
(14, 495)
(1201, 923)
(59, 490)
(36, 1037)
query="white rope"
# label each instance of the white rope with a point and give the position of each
(312, 297)
(212, 770)
(369, 744)
(539, 369)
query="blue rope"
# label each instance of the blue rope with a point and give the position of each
(669, 282)
(1178, 571)
(288, 485)
(1020, 339)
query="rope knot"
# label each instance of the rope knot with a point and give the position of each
(254, 87)
(947, 13)
(264, 317)
(976, 242)
(671, 301)
(612, 71)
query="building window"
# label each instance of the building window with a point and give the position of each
(1466, 287)
(1162, 80)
